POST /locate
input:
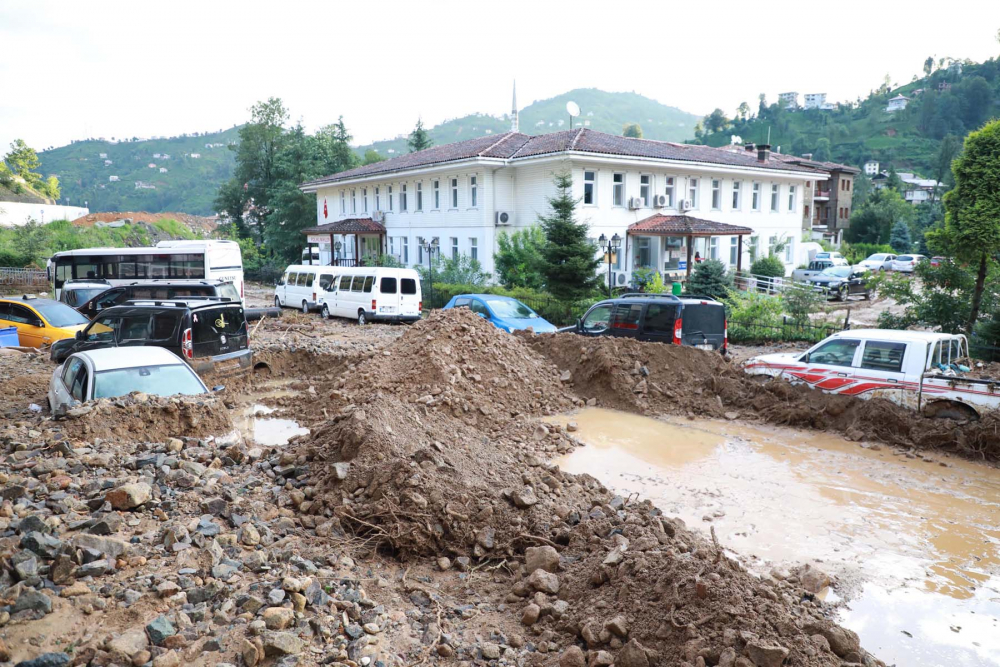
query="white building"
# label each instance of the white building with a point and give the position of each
(898, 103)
(655, 195)
(871, 168)
(789, 100)
(163, 170)
(113, 179)
(814, 100)
(196, 155)
(102, 155)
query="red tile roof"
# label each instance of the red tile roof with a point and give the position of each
(514, 146)
(684, 225)
(819, 165)
(348, 226)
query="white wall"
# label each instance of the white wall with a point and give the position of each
(15, 214)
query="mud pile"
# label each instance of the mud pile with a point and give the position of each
(147, 418)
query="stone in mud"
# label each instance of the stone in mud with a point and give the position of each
(524, 497)
(541, 558)
(340, 470)
(46, 660)
(842, 641)
(764, 655)
(109, 546)
(282, 643)
(544, 582)
(617, 626)
(812, 579)
(42, 544)
(159, 629)
(129, 496)
(573, 657)
(601, 659)
(249, 535)
(32, 600)
(530, 614)
(128, 643)
(278, 618)
(632, 655)
(248, 651)
(168, 659)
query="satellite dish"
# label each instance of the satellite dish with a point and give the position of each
(573, 109)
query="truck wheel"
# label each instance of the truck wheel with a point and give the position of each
(362, 320)
(950, 410)
(842, 293)
(277, 301)
(305, 307)
(325, 312)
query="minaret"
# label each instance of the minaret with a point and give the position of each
(513, 111)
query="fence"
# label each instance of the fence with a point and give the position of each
(11, 277)
(756, 331)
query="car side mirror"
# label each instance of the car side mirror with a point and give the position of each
(579, 324)
(80, 335)
(38, 323)
(805, 358)
(217, 388)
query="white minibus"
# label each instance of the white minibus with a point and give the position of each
(364, 294)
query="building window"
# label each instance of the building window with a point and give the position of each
(693, 192)
(736, 195)
(354, 200)
(405, 249)
(734, 250)
(774, 197)
(755, 197)
(474, 248)
(473, 191)
(713, 247)
(402, 198)
(848, 182)
(364, 198)
(343, 202)
(645, 187)
(668, 190)
(420, 250)
(791, 197)
(392, 246)
(454, 193)
(420, 198)
(454, 247)
(388, 196)
(436, 187)
(589, 187)
(805, 211)
(716, 196)
(771, 242)
(788, 252)
(378, 199)
(643, 255)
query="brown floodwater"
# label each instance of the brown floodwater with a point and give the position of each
(914, 544)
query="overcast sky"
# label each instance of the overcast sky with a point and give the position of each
(71, 70)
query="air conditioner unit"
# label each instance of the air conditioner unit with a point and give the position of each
(659, 201)
(687, 205)
(378, 216)
(503, 218)
(635, 203)
(619, 278)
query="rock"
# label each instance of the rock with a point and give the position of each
(573, 657)
(128, 643)
(842, 641)
(601, 659)
(764, 655)
(727, 658)
(444, 563)
(524, 497)
(543, 581)
(490, 651)
(46, 660)
(616, 555)
(129, 496)
(486, 537)
(42, 544)
(632, 655)
(530, 614)
(276, 596)
(168, 659)
(282, 643)
(278, 618)
(32, 600)
(249, 535)
(617, 626)
(159, 629)
(340, 470)
(248, 651)
(109, 546)
(463, 563)
(812, 579)
(77, 589)
(141, 658)
(541, 558)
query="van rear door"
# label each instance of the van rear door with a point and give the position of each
(704, 325)
(409, 296)
(218, 330)
(387, 296)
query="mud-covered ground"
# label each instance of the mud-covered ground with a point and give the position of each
(419, 521)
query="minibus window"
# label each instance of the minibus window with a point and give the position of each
(408, 286)
(326, 282)
(359, 282)
(387, 285)
(369, 281)
(345, 283)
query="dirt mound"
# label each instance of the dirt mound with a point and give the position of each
(196, 223)
(148, 418)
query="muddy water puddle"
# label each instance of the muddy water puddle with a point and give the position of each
(914, 545)
(265, 430)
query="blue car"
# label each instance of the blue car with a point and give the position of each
(503, 311)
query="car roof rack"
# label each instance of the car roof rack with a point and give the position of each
(103, 281)
(179, 301)
(180, 281)
(646, 295)
(700, 296)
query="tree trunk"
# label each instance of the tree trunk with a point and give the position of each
(977, 295)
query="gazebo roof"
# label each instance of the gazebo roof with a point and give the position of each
(684, 225)
(348, 226)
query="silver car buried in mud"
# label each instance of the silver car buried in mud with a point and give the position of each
(917, 369)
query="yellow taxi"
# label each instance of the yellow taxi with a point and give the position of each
(39, 322)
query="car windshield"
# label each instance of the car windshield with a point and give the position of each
(877, 258)
(511, 309)
(159, 380)
(58, 314)
(78, 297)
(837, 271)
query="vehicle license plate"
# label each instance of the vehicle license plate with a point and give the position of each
(704, 347)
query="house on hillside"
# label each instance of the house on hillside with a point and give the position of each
(871, 168)
(108, 163)
(163, 170)
(157, 155)
(113, 179)
(195, 155)
(152, 165)
(789, 100)
(102, 155)
(142, 185)
(814, 100)
(666, 201)
(897, 103)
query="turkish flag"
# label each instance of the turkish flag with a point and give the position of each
(324, 208)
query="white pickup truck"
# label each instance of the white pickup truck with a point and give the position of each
(919, 370)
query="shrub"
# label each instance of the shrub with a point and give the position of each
(801, 302)
(518, 258)
(771, 267)
(642, 278)
(710, 278)
(857, 252)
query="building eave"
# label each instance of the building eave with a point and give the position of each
(314, 186)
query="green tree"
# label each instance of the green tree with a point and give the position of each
(291, 210)
(894, 182)
(801, 302)
(23, 160)
(334, 146)
(518, 259)
(949, 148)
(570, 266)
(419, 139)
(899, 237)
(971, 231)
(873, 221)
(633, 130)
(822, 152)
(928, 65)
(769, 266)
(371, 157)
(716, 122)
(461, 270)
(743, 110)
(710, 278)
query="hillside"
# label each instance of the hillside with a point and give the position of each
(600, 110)
(951, 101)
(189, 183)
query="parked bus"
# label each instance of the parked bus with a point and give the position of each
(219, 260)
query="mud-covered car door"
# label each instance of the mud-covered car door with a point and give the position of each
(219, 330)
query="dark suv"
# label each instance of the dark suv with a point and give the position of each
(210, 334)
(156, 289)
(694, 320)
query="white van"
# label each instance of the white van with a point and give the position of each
(371, 294)
(301, 284)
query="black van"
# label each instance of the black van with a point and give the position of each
(695, 320)
(210, 334)
(157, 289)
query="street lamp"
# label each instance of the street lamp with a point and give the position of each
(429, 246)
(609, 246)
